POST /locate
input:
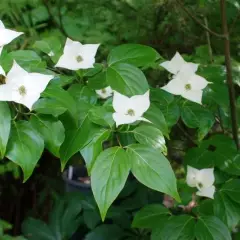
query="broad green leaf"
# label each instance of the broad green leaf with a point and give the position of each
(108, 177)
(152, 136)
(63, 98)
(176, 228)
(127, 79)
(206, 208)
(65, 217)
(101, 116)
(81, 92)
(211, 228)
(161, 97)
(91, 218)
(196, 116)
(105, 232)
(76, 138)
(25, 147)
(98, 81)
(51, 130)
(49, 106)
(135, 54)
(150, 216)
(156, 117)
(5, 127)
(93, 149)
(37, 230)
(152, 169)
(232, 189)
(226, 209)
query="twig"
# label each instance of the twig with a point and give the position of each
(208, 41)
(198, 21)
(118, 140)
(231, 89)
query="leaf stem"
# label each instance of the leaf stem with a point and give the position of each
(208, 41)
(230, 84)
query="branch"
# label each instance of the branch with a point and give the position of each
(199, 22)
(208, 41)
(230, 84)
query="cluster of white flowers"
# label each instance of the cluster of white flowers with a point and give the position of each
(201, 179)
(25, 88)
(185, 81)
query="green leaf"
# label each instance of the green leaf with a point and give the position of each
(152, 169)
(93, 149)
(135, 54)
(156, 117)
(98, 81)
(101, 116)
(25, 147)
(81, 92)
(211, 228)
(63, 98)
(126, 79)
(91, 218)
(5, 127)
(196, 116)
(108, 177)
(37, 230)
(49, 106)
(150, 216)
(76, 138)
(226, 210)
(231, 188)
(105, 232)
(176, 228)
(151, 136)
(51, 130)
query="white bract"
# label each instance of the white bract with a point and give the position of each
(176, 64)
(23, 87)
(130, 109)
(77, 56)
(105, 92)
(185, 82)
(6, 36)
(201, 179)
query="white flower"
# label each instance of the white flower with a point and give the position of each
(2, 72)
(105, 92)
(176, 64)
(130, 109)
(23, 87)
(51, 54)
(7, 35)
(187, 84)
(202, 179)
(77, 56)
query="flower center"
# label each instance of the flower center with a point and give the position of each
(2, 79)
(188, 87)
(103, 90)
(22, 90)
(200, 185)
(130, 112)
(79, 59)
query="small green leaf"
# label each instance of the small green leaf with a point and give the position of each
(101, 116)
(210, 227)
(152, 136)
(5, 127)
(76, 138)
(231, 188)
(150, 216)
(135, 54)
(156, 117)
(127, 79)
(51, 130)
(226, 210)
(108, 177)
(176, 228)
(25, 147)
(93, 149)
(98, 81)
(152, 169)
